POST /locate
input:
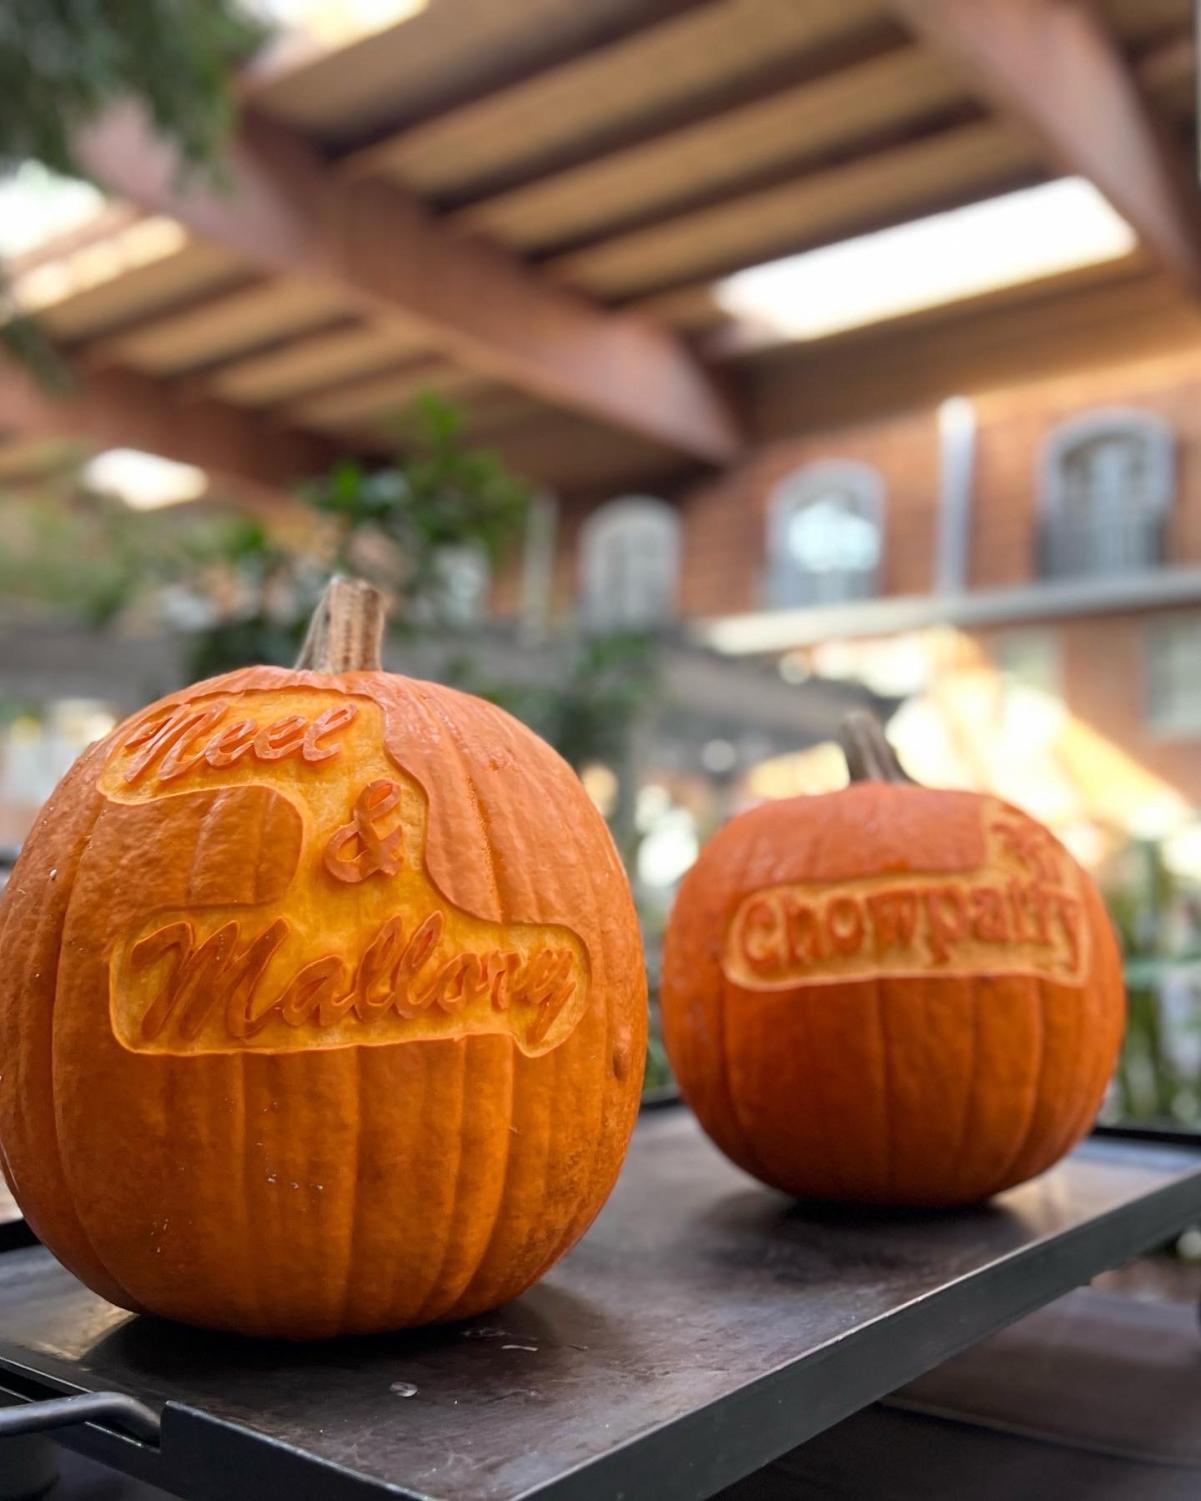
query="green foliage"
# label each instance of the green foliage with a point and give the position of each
(588, 710)
(62, 62)
(83, 559)
(395, 523)
(1141, 904)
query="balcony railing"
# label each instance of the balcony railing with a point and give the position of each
(1070, 549)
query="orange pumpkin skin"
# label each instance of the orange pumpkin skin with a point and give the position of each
(891, 995)
(192, 1134)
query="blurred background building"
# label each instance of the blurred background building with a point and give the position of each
(845, 352)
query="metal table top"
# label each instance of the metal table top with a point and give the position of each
(703, 1326)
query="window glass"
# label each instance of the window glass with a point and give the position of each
(1108, 486)
(1173, 680)
(825, 536)
(629, 565)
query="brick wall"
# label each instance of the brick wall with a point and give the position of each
(1013, 426)
(725, 519)
(1103, 680)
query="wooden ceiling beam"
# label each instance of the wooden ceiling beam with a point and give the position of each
(122, 409)
(674, 67)
(917, 177)
(285, 210)
(222, 326)
(721, 155)
(1053, 66)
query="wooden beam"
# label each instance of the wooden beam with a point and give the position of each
(884, 187)
(221, 327)
(1052, 65)
(248, 456)
(285, 210)
(679, 66)
(786, 131)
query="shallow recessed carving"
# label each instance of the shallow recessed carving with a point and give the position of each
(375, 955)
(1022, 912)
(211, 735)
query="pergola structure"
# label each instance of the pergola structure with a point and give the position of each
(528, 206)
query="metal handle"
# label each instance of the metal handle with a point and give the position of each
(114, 1408)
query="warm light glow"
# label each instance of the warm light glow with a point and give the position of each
(600, 783)
(143, 480)
(971, 728)
(37, 204)
(336, 23)
(138, 244)
(1056, 227)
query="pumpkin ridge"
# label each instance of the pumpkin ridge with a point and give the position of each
(888, 1135)
(453, 735)
(422, 1313)
(434, 712)
(955, 1162)
(1077, 1123)
(87, 831)
(1023, 1141)
(464, 1298)
(353, 1230)
(725, 1061)
(573, 1230)
(601, 1088)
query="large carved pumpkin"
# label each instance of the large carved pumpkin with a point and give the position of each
(891, 994)
(322, 1006)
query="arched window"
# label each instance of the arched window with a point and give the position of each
(1108, 482)
(825, 529)
(629, 564)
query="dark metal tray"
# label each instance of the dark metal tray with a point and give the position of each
(702, 1327)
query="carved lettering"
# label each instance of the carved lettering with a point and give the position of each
(180, 739)
(400, 975)
(354, 945)
(988, 916)
(1022, 913)
(946, 920)
(806, 937)
(761, 935)
(893, 916)
(844, 924)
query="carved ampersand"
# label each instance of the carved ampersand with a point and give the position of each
(358, 849)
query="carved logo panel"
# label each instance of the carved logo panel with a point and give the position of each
(1022, 912)
(360, 947)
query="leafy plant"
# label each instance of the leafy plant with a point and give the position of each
(396, 524)
(63, 62)
(1158, 936)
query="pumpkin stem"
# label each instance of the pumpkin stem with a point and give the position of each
(870, 758)
(344, 633)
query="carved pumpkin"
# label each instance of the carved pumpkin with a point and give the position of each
(322, 1006)
(891, 994)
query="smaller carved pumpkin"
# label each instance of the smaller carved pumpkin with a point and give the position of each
(891, 994)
